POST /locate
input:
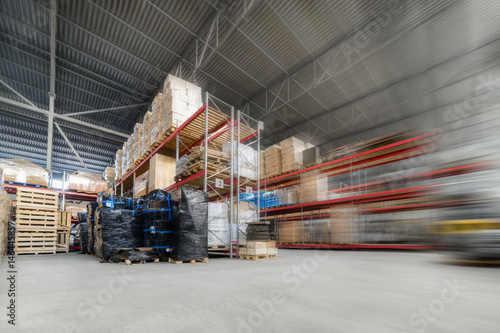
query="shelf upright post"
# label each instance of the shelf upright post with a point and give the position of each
(177, 144)
(133, 187)
(231, 180)
(238, 135)
(63, 190)
(260, 126)
(206, 143)
(121, 191)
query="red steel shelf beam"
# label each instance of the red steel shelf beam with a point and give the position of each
(12, 189)
(359, 246)
(371, 197)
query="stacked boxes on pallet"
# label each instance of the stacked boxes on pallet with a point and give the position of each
(118, 164)
(109, 175)
(181, 100)
(63, 231)
(137, 141)
(146, 134)
(124, 160)
(273, 161)
(130, 152)
(83, 181)
(259, 250)
(291, 153)
(161, 172)
(36, 221)
(141, 185)
(156, 119)
(23, 172)
(314, 186)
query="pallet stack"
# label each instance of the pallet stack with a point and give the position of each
(273, 161)
(259, 250)
(63, 231)
(36, 221)
(291, 154)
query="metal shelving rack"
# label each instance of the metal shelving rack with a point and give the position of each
(212, 126)
(360, 192)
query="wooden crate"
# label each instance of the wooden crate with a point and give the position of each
(35, 242)
(64, 220)
(37, 199)
(35, 219)
(62, 243)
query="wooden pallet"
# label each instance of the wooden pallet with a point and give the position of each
(37, 199)
(36, 219)
(192, 261)
(35, 250)
(62, 241)
(34, 239)
(258, 257)
(163, 138)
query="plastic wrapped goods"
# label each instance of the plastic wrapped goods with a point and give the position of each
(130, 152)
(190, 224)
(159, 210)
(137, 138)
(156, 118)
(118, 164)
(117, 229)
(86, 182)
(116, 202)
(91, 208)
(109, 175)
(75, 208)
(146, 134)
(83, 237)
(182, 165)
(247, 159)
(124, 159)
(218, 224)
(25, 172)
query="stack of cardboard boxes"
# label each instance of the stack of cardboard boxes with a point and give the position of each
(272, 158)
(291, 153)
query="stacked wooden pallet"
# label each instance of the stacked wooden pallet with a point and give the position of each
(36, 221)
(259, 250)
(63, 231)
(217, 162)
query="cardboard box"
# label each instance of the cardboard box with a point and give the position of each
(314, 187)
(290, 232)
(146, 134)
(273, 160)
(141, 185)
(161, 171)
(86, 182)
(291, 153)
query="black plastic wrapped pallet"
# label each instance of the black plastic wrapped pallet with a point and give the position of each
(190, 225)
(91, 208)
(158, 212)
(258, 232)
(117, 229)
(116, 202)
(83, 237)
(82, 217)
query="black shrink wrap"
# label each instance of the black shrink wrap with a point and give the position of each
(117, 229)
(83, 237)
(158, 213)
(190, 225)
(91, 207)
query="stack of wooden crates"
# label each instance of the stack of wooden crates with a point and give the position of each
(63, 231)
(36, 221)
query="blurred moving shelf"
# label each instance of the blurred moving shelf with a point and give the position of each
(368, 198)
(191, 133)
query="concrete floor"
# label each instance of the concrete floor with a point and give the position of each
(302, 291)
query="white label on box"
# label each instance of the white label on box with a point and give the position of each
(219, 183)
(248, 190)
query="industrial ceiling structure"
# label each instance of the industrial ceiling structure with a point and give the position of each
(330, 71)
